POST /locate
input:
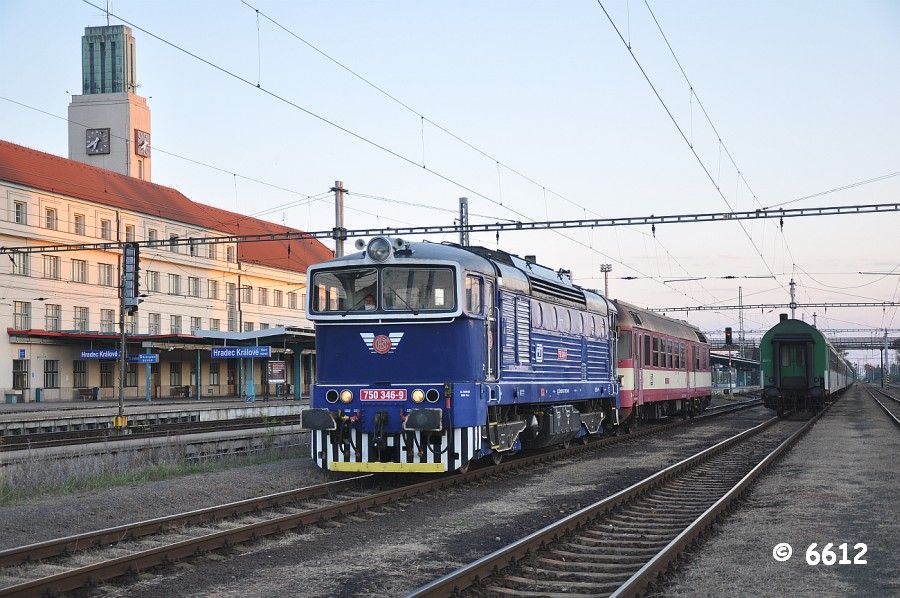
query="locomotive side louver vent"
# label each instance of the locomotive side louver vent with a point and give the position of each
(557, 291)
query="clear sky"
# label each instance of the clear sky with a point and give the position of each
(804, 95)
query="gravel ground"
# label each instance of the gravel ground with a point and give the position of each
(839, 484)
(393, 550)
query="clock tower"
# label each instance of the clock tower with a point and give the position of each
(109, 124)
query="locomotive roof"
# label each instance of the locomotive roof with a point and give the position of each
(515, 273)
(632, 315)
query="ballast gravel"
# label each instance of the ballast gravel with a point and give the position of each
(392, 550)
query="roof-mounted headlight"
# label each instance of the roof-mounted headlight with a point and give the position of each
(379, 249)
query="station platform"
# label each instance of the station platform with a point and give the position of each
(43, 418)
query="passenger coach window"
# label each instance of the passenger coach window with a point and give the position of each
(647, 352)
(345, 290)
(670, 353)
(625, 346)
(473, 294)
(415, 289)
(655, 351)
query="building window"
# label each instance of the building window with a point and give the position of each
(129, 233)
(263, 325)
(175, 373)
(152, 234)
(174, 284)
(277, 298)
(105, 229)
(107, 317)
(292, 300)
(131, 324)
(173, 243)
(82, 318)
(175, 324)
(247, 295)
(248, 326)
(79, 373)
(263, 296)
(214, 374)
(51, 373)
(79, 224)
(140, 169)
(212, 251)
(131, 375)
(79, 271)
(107, 376)
(51, 218)
(21, 212)
(193, 286)
(53, 317)
(192, 249)
(153, 324)
(229, 254)
(215, 324)
(20, 374)
(105, 275)
(196, 324)
(51, 266)
(152, 280)
(21, 315)
(213, 289)
(21, 264)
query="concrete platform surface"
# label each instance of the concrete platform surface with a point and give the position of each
(840, 483)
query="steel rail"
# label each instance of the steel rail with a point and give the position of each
(469, 575)
(98, 435)
(887, 410)
(94, 573)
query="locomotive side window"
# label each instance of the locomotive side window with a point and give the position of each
(345, 290)
(647, 352)
(592, 326)
(473, 294)
(577, 322)
(415, 289)
(551, 317)
(565, 320)
(655, 351)
(670, 353)
(537, 314)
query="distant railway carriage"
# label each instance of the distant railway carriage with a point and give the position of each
(432, 355)
(663, 365)
(800, 368)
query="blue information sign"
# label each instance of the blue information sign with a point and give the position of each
(144, 358)
(241, 352)
(21, 353)
(100, 354)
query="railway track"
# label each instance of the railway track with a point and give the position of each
(620, 545)
(891, 407)
(54, 439)
(66, 564)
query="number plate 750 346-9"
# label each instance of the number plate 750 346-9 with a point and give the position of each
(382, 394)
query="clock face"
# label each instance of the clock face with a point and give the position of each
(142, 143)
(96, 141)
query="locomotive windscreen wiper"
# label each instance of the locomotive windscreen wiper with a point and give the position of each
(414, 311)
(353, 307)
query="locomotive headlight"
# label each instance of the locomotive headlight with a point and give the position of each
(418, 395)
(331, 396)
(346, 396)
(432, 395)
(379, 249)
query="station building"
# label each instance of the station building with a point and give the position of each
(60, 310)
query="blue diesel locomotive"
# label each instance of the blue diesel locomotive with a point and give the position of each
(433, 355)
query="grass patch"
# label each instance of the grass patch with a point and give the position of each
(99, 472)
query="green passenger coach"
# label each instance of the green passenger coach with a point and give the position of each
(800, 368)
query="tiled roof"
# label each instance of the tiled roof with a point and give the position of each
(46, 172)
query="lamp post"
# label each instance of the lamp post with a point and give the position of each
(606, 269)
